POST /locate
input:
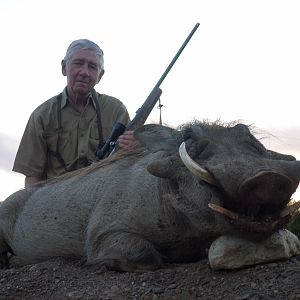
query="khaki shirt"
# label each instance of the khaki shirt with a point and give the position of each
(78, 139)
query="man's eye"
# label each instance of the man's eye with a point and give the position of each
(94, 67)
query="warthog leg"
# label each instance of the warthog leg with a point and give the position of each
(4, 261)
(123, 251)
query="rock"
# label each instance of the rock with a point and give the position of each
(229, 252)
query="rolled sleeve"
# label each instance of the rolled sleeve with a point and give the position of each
(31, 157)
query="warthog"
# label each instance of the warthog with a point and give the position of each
(166, 200)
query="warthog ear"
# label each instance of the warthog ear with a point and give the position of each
(157, 137)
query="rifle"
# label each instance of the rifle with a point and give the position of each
(144, 111)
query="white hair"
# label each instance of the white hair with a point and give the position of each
(85, 44)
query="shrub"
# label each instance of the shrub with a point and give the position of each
(294, 224)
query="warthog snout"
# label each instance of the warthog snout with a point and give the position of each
(267, 187)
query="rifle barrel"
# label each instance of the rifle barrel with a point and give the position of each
(176, 56)
(144, 111)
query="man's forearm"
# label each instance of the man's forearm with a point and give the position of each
(30, 180)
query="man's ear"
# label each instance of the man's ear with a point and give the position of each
(100, 76)
(63, 67)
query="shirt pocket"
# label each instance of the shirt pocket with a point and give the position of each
(93, 140)
(60, 141)
(51, 138)
(94, 133)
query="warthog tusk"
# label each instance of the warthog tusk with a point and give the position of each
(223, 211)
(285, 212)
(274, 224)
(290, 209)
(194, 167)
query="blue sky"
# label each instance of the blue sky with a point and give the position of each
(242, 63)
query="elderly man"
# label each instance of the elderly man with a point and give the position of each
(63, 133)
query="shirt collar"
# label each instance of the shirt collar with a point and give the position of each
(91, 98)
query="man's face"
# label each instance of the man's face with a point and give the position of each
(83, 71)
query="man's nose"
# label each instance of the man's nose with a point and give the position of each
(85, 69)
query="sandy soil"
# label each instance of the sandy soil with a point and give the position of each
(70, 279)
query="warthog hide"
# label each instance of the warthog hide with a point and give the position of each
(154, 203)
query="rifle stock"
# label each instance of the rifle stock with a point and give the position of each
(144, 111)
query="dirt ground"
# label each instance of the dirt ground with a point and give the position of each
(69, 279)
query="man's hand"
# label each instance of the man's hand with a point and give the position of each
(126, 139)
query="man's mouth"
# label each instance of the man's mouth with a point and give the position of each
(82, 82)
